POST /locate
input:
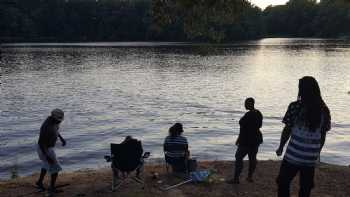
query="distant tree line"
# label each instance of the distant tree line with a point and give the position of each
(169, 20)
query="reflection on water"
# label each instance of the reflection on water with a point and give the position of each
(110, 90)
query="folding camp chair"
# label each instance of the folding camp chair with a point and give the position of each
(126, 158)
(182, 161)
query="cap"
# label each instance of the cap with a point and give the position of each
(57, 114)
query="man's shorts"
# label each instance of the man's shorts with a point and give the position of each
(50, 168)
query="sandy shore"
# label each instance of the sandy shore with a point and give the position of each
(331, 181)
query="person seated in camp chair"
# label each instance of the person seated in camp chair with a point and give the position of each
(131, 142)
(126, 157)
(176, 149)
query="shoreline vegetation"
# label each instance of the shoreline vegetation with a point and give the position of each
(149, 43)
(174, 21)
(330, 181)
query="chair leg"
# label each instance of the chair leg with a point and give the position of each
(115, 176)
(113, 182)
(115, 186)
(166, 167)
(119, 185)
(140, 181)
(139, 171)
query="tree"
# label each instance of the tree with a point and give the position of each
(200, 19)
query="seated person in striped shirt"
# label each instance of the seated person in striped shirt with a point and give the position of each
(176, 149)
(306, 123)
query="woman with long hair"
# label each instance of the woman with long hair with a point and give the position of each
(307, 121)
(176, 148)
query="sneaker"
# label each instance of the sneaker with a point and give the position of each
(39, 186)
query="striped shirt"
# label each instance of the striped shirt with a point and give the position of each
(175, 146)
(304, 146)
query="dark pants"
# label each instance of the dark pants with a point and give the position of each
(178, 164)
(241, 152)
(287, 172)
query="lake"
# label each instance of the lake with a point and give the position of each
(111, 90)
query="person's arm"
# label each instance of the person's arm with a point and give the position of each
(242, 123)
(187, 151)
(237, 141)
(325, 127)
(323, 139)
(284, 138)
(243, 120)
(62, 140)
(260, 119)
(165, 145)
(288, 120)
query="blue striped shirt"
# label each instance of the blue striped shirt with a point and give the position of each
(175, 146)
(304, 146)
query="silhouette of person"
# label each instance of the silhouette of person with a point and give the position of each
(307, 121)
(46, 144)
(249, 139)
(176, 148)
(135, 143)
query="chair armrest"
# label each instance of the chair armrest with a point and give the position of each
(146, 155)
(108, 158)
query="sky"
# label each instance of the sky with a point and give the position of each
(264, 3)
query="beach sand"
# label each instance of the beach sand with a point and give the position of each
(330, 181)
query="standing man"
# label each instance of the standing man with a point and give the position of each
(249, 139)
(46, 144)
(307, 121)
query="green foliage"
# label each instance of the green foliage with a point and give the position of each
(169, 20)
(307, 18)
(201, 19)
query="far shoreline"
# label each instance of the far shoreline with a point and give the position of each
(150, 43)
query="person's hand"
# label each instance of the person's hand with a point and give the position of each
(279, 151)
(63, 142)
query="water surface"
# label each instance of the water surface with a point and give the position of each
(110, 90)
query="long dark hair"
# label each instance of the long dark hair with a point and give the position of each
(312, 102)
(176, 130)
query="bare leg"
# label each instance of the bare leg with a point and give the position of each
(252, 162)
(240, 154)
(42, 176)
(53, 180)
(39, 183)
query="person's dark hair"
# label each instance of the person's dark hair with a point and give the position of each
(176, 130)
(129, 137)
(250, 100)
(311, 100)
